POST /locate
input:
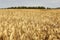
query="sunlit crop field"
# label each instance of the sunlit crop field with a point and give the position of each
(29, 24)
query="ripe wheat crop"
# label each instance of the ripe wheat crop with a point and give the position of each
(29, 24)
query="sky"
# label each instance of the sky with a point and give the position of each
(45, 3)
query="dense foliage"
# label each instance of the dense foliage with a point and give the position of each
(26, 7)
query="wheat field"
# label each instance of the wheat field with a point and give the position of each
(29, 24)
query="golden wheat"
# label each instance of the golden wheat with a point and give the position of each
(29, 24)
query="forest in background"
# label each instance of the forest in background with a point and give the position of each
(24, 7)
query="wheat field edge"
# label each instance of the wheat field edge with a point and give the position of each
(29, 24)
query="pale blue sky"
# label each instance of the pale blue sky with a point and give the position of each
(46, 3)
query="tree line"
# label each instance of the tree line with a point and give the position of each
(26, 7)
(23, 7)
